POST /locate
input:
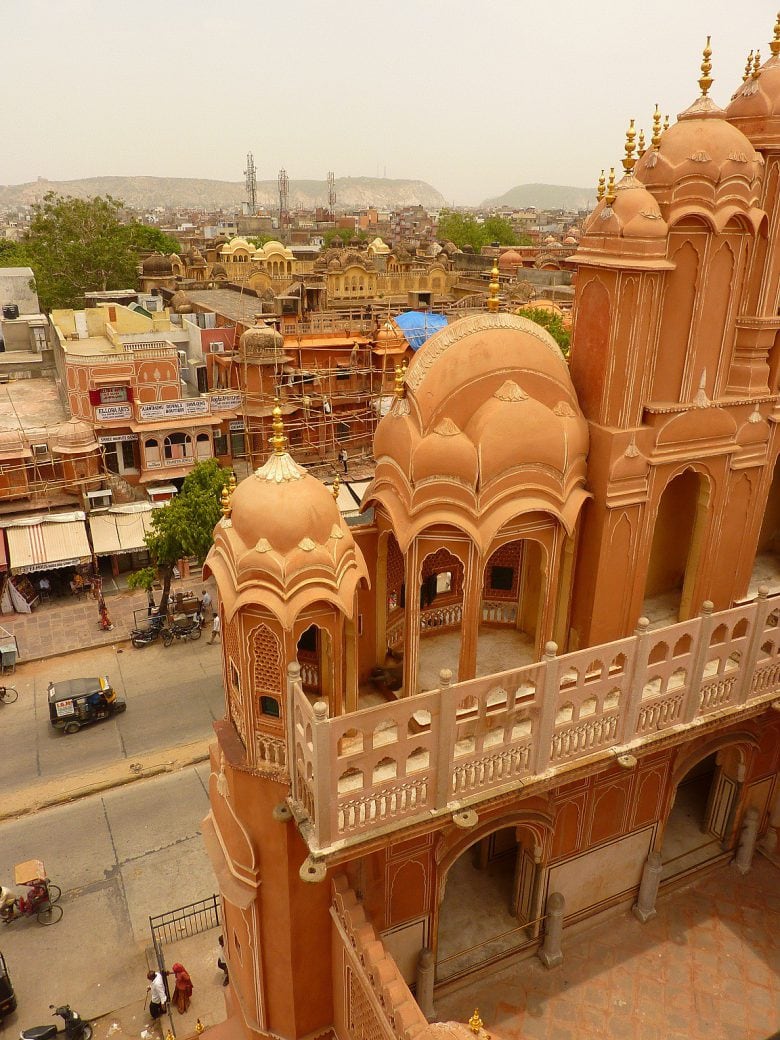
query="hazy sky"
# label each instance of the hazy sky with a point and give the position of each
(473, 97)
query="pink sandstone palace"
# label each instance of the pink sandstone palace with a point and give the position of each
(539, 677)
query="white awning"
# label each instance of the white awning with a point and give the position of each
(39, 543)
(119, 531)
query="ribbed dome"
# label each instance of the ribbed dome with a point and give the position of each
(157, 264)
(447, 453)
(181, 303)
(634, 214)
(75, 435)
(510, 258)
(755, 108)
(261, 340)
(11, 441)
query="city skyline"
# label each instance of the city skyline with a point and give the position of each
(403, 90)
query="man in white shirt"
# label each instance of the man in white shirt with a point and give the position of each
(205, 604)
(216, 629)
(157, 995)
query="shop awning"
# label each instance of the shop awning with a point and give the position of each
(39, 543)
(120, 530)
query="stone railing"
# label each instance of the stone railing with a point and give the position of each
(438, 750)
(449, 616)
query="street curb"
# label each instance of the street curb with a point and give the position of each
(22, 660)
(35, 798)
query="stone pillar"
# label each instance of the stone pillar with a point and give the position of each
(551, 954)
(426, 969)
(769, 841)
(644, 907)
(472, 614)
(747, 841)
(411, 619)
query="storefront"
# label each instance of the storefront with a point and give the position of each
(52, 548)
(119, 535)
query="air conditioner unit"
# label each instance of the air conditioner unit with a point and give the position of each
(184, 362)
(100, 499)
(40, 449)
(218, 347)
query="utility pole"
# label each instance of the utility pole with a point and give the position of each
(250, 174)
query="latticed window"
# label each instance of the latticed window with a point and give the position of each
(235, 707)
(267, 670)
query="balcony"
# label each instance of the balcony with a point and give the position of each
(446, 750)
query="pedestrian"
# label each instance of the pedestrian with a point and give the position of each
(216, 629)
(183, 989)
(344, 458)
(151, 606)
(221, 962)
(158, 998)
(205, 604)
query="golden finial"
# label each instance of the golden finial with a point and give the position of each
(601, 187)
(611, 194)
(400, 389)
(642, 145)
(225, 501)
(495, 286)
(666, 121)
(629, 161)
(278, 440)
(199, 1027)
(748, 66)
(757, 65)
(169, 1036)
(705, 80)
(475, 1022)
(774, 46)
(335, 487)
(655, 140)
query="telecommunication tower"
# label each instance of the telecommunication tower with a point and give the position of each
(250, 173)
(284, 197)
(331, 193)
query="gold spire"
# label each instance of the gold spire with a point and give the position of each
(655, 140)
(232, 483)
(495, 286)
(666, 121)
(278, 440)
(475, 1022)
(611, 194)
(757, 65)
(225, 501)
(774, 46)
(335, 487)
(400, 389)
(748, 66)
(601, 187)
(705, 80)
(642, 145)
(629, 161)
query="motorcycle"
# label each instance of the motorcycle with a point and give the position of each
(141, 637)
(184, 630)
(75, 1027)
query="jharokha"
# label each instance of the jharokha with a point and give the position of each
(538, 677)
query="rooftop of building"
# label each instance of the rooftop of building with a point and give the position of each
(237, 306)
(30, 404)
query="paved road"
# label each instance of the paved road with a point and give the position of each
(173, 696)
(118, 857)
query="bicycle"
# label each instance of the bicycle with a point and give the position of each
(8, 694)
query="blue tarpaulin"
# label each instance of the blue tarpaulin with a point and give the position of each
(417, 326)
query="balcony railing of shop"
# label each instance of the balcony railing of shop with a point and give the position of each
(443, 749)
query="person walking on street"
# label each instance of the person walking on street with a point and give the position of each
(205, 604)
(158, 998)
(344, 458)
(221, 962)
(183, 991)
(216, 629)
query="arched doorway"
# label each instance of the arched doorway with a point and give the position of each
(766, 568)
(510, 607)
(490, 903)
(441, 616)
(677, 542)
(316, 661)
(698, 827)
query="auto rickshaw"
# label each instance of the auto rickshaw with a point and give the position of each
(7, 995)
(74, 703)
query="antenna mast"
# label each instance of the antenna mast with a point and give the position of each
(284, 198)
(250, 173)
(331, 193)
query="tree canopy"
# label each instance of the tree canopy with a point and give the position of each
(465, 230)
(184, 526)
(552, 321)
(345, 234)
(76, 246)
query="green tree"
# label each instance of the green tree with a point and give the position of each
(345, 234)
(78, 245)
(551, 321)
(465, 230)
(184, 527)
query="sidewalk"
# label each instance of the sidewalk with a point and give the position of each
(61, 626)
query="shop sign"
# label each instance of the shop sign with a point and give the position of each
(111, 395)
(173, 409)
(117, 438)
(237, 426)
(225, 402)
(112, 412)
(64, 708)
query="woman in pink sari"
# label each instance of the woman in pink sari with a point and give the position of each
(183, 988)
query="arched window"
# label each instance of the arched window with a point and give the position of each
(203, 446)
(178, 446)
(151, 450)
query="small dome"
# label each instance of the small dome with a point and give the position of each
(195, 258)
(181, 303)
(510, 258)
(446, 453)
(334, 264)
(73, 436)
(219, 271)
(755, 108)
(261, 340)
(356, 243)
(11, 441)
(157, 264)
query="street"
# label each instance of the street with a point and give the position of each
(119, 857)
(173, 695)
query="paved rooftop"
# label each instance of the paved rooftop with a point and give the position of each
(30, 404)
(706, 968)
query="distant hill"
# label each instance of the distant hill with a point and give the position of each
(145, 193)
(544, 196)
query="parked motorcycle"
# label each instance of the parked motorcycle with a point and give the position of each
(75, 1027)
(184, 630)
(141, 637)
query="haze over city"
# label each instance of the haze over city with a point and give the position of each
(473, 98)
